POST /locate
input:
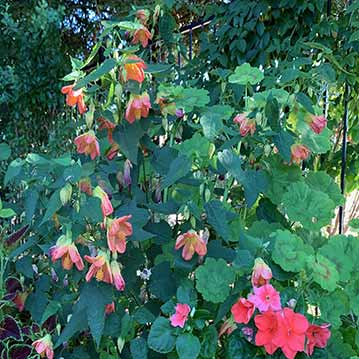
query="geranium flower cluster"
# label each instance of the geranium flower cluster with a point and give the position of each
(277, 327)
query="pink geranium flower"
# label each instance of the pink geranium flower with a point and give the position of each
(44, 347)
(317, 336)
(179, 318)
(88, 144)
(265, 298)
(261, 273)
(242, 311)
(117, 232)
(191, 243)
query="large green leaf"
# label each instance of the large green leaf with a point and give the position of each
(188, 346)
(209, 342)
(179, 168)
(161, 338)
(192, 97)
(53, 205)
(284, 140)
(272, 113)
(138, 348)
(313, 209)
(13, 170)
(213, 280)
(5, 151)
(246, 74)
(162, 282)
(332, 306)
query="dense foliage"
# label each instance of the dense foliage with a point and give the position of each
(189, 218)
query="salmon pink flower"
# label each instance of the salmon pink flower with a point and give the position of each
(67, 251)
(265, 298)
(74, 98)
(134, 69)
(191, 243)
(100, 268)
(261, 273)
(118, 280)
(290, 336)
(179, 318)
(142, 35)
(106, 125)
(317, 336)
(106, 205)
(110, 308)
(227, 327)
(245, 125)
(112, 152)
(87, 143)
(317, 123)
(267, 325)
(85, 186)
(117, 232)
(138, 106)
(242, 311)
(44, 347)
(299, 153)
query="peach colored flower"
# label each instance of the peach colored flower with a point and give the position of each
(299, 153)
(117, 232)
(261, 273)
(245, 125)
(142, 16)
(118, 280)
(142, 35)
(138, 106)
(106, 205)
(44, 347)
(179, 318)
(74, 98)
(88, 144)
(112, 152)
(134, 69)
(191, 243)
(100, 268)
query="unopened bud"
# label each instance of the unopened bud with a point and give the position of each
(66, 193)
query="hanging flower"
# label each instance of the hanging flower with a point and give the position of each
(191, 243)
(242, 311)
(142, 16)
(265, 298)
(106, 125)
(245, 125)
(179, 318)
(67, 251)
(142, 35)
(106, 205)
(110, 308)
(117, 232)
(85, 186)
(261, 273)
(74, 98)
(44, 347)
(299, 153)
(317, 123)
(88, 144)
(317, 336)
(134, 69)
(138, 106)
(100, 268)
(112, 152)
(291, 332)
(267, 325)
(118, 280)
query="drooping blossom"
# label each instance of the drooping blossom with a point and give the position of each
(142, 35)
(142, 16)
(117, 232)
(261, 273)
(127, 173)
(299, 153)
(265, 298)
(106, 205)
(191, 243)
(118, 280)
(290, 336)
(74, 98)
(134, 69)
(67, 251)
(106, 125)
(317, 123)
(179, 318)
(44, 347)
(245, 125)
(100, 268)
(317, 336)
(242, 311)
(112, 151)
(110, 308)
(87, 144)
(267, 325)
(85, 185)
(138, 106)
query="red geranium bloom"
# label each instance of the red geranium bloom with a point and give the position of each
(179, 318)
(138, 106)
(291, 332)
(134, 69)
(299, 153)
(142, 35)
(88, 144)
(191, 243)
(74, 98)
(117, 232)
(317, 336)
(267, 329)
(265, 298)
(317, 123)
(243, 310)
(261, 273)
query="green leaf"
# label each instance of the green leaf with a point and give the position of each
(187, 346)
(158, 68)
(53, 205)
(209, 342)
(324, 272)
(138, 348)
(103, 69)
(5, 151)
(51, 309)
(216, 217)
(354, 36)
(305, 101)
(7, 212)
(24, 266)
(284, 140)
(31, 200)
(213, 280)
(192, 97)
(143, 316)
(317, 143)
(13, 170)
(313, 209)
(161, 337)
(246, 74)
(195, 147)
(179, 168)
(162, 282)
(332, 306)
(352, 290)
(272, 113)
(289, 251)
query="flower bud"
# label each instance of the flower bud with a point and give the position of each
(66, 193)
